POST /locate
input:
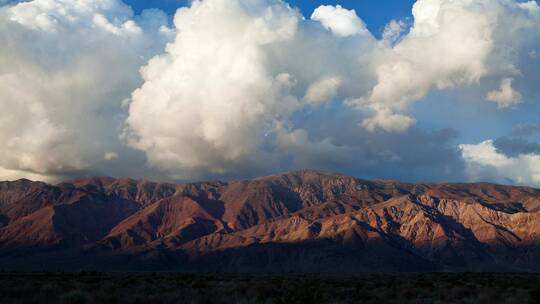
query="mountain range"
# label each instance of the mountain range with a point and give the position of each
(303, 221)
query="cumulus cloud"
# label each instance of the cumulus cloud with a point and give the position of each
(111, 156)
(485, 162)
(393, 31)
(65, 68)
(218, 100)
(236, 90)
(206, 103)
(340, 21)
(225, 94)
(388, 121)
(452, 44)
(323, 90)
(505, 96)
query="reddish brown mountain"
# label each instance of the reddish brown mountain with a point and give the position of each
(299, 221)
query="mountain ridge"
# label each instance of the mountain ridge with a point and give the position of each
(294, 221)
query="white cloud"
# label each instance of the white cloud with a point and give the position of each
(205, 106)
(393, 31)
(340, 21)
(452, 44)
(228, 94)
(505, 96)
(390, 122)
(238, 71)
(323, 90)
(65, 67)
(532, 6)
(110, 156)
(207, 102)
(485, 162)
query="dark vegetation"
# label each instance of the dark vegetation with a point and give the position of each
(89, 287)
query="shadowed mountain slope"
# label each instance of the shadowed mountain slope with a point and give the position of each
(297, 221)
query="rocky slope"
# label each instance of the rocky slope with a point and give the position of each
(298, 221)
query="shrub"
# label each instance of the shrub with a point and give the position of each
(75, 297)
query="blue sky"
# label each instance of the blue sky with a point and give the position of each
(376, 13)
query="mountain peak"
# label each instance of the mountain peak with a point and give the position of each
(303, 175)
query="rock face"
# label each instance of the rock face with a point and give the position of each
(299, 221)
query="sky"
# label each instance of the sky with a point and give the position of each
(175, 90)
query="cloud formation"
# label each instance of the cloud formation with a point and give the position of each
(505, 96)
(485, 162)
(340, 21)
(65, 68)
(323, 90)
(225, 91)
(248, 87)
(224, 95)
(451, 44)
(207, 102)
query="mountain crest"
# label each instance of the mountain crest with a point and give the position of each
(302, 220)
